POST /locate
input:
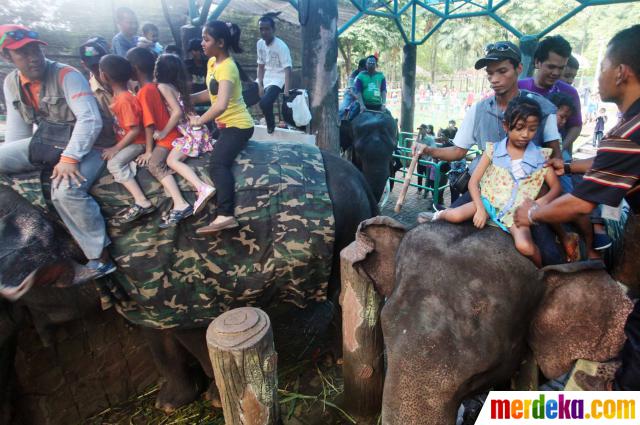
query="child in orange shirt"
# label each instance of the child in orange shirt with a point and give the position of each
(115, 71)
(155, 116)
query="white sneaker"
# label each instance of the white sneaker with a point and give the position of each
(427, 216)
(204, 194)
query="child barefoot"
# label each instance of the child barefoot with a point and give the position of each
(156, 116)
(115, 71)
(173, 83)
(509, 172)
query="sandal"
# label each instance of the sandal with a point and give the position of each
(134, 212)
(175, 217)
(213, 227)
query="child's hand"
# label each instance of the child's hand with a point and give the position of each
(480, 218)
(109, 153)
(194, 121)
(159, 135)
(143, 159)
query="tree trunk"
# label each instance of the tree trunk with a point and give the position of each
(434, 58)
(319, 19)
(362, 344)
(528, 46)
(175, 31)
(408, 88)
(244, 363)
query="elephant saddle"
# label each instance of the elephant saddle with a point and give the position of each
(281, 252)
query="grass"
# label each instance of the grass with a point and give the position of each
(309, 380)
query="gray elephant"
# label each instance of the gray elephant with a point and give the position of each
(372, 137)
(297, 208)
(462, 307)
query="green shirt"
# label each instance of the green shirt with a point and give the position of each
(371, 87)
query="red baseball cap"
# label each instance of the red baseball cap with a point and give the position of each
(13, 37)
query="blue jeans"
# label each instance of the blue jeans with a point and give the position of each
(345, 106)
(77, 209)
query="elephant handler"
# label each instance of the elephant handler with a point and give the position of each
(58, 99)
(613, 175)
(483, 121)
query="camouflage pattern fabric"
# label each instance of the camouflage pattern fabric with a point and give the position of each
(281, 252)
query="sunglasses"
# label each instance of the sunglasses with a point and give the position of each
(499, 47)
(18, 35)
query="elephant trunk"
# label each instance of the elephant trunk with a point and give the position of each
(376, 174)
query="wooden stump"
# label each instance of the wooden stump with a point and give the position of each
(244, 363)
(362, 342)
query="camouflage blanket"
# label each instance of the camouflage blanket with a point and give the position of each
(172, 277)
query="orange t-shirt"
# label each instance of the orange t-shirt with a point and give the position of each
(126, 114)
(155, 112)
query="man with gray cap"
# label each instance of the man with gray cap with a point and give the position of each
(482, 123)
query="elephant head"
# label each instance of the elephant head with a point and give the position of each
(38, 261)
(462, 307)
(372, 135)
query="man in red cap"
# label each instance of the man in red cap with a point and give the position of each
(57, 98)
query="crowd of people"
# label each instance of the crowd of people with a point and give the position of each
(142, 104)
(526, 130)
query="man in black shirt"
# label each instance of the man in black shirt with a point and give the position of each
(196, 65)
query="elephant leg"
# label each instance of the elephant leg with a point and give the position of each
(181, 386)
(194, 340)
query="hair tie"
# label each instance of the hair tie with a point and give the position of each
(230, 26)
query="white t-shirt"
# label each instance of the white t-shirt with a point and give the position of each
(275, 57)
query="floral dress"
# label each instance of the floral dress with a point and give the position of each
(194, 140)
(501, 191)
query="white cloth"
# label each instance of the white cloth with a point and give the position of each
(275, 57)
(517, 170)
(464, 137)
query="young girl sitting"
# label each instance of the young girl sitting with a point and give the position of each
(509, 172)
(173, 83)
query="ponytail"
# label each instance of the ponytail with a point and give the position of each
(227, 31)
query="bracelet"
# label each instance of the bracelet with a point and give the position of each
(567, 168)
(534, 208)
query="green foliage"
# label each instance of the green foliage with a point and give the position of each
(458, 43)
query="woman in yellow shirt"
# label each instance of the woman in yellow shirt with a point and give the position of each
(229, 112)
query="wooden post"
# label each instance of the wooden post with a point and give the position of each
(244, 363)
(319, 20)
(363, 367)
(408, 104)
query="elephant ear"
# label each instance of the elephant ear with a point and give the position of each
(373, 253)
(582, 316)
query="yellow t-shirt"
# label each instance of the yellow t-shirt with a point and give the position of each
(236, 114)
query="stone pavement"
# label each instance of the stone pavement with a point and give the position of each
(413, 204)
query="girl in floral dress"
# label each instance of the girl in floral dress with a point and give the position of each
(173, 83)
(508, 173)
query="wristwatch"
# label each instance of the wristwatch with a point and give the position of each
(533, 209)
(567, 167)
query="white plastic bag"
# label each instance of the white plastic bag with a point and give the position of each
(300, 109)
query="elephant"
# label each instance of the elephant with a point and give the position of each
(463, 308)
(297, 207)
(372, 137)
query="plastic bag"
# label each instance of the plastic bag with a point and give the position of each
(300, 108)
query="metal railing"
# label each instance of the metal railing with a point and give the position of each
(405, 140)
